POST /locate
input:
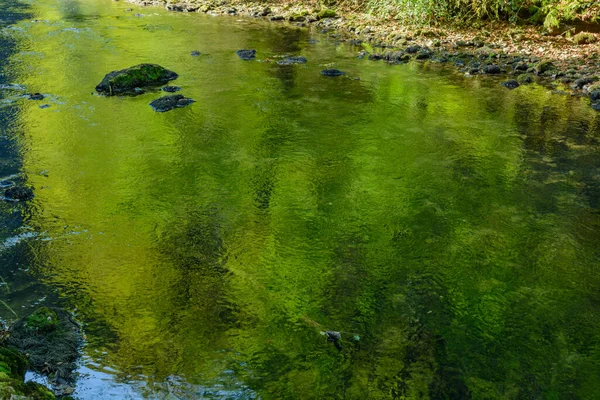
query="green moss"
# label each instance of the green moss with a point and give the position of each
(524, 79)
(327, 13)
(12, 373)
(584, 38)
(543, 67)
(137, 74)
(42, 320)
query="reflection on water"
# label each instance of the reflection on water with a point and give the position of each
(449, 223)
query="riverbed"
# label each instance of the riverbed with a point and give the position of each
(446, 227)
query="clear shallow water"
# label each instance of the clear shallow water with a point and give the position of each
(450, 223)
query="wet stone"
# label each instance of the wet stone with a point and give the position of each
(195, 53)
(36, 96)
(492, 69)
(171, 89)
(332, 72)
(246, 54)
(292, 60)
(19, 193)
(167, 103)
(510, 84)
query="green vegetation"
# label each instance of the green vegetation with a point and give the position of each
(42, 320)
(12, 373)
(549, 12)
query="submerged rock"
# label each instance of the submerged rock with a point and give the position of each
(195, 53)
(171, 89)
(332, 72)
(246, 54)
(292, 60)
(51, 339)
(129, 79)
(543, 67)
(36, 96)
(167, 103)
(336, 338)
(19, 193)
(510, 84)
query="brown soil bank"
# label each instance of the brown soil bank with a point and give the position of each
(554, 55)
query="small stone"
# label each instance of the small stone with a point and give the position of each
(413, 49)
(332, 72)
(167, 103)
(36, 96)
(292, 60)
(195, 53)
(171, 89)
(510, 84)
(246, 54)
(45, 106)
(492, 69)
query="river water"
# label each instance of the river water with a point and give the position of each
(447, 227)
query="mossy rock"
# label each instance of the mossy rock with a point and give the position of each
(525, 79)
(138, 76)
(584, 38)
(51, 339)
(544, 66)
(327, 13)
(43, 319)
(12, 373)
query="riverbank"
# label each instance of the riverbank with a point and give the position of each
(567, 62)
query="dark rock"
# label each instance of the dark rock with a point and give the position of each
(396, 57)
(51, 339)
(362, 54)
(581, 82)
(596, 106)
(423, 55)
(246, 54)
(375, 57)
(195, 53)
(171, 89)
(336, 338)
(412, 49)
(19, 193)
(45, 106)
(492, 69)
(167, 103)
(510, 84)
(520, 66)
(138, 76)
(595, 95)
(356, 42)
(277, 18)
(36, 96)
(292, 60)
(332, 72)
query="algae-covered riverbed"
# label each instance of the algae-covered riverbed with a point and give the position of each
(448, 228)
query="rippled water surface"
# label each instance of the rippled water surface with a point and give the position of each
(447, 227)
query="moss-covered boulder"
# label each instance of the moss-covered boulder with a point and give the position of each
(525, 79)
(12, 374)
(125, 81)
(544, 67)
(51, 340)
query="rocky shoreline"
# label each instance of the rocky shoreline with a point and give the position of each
(569, 66)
